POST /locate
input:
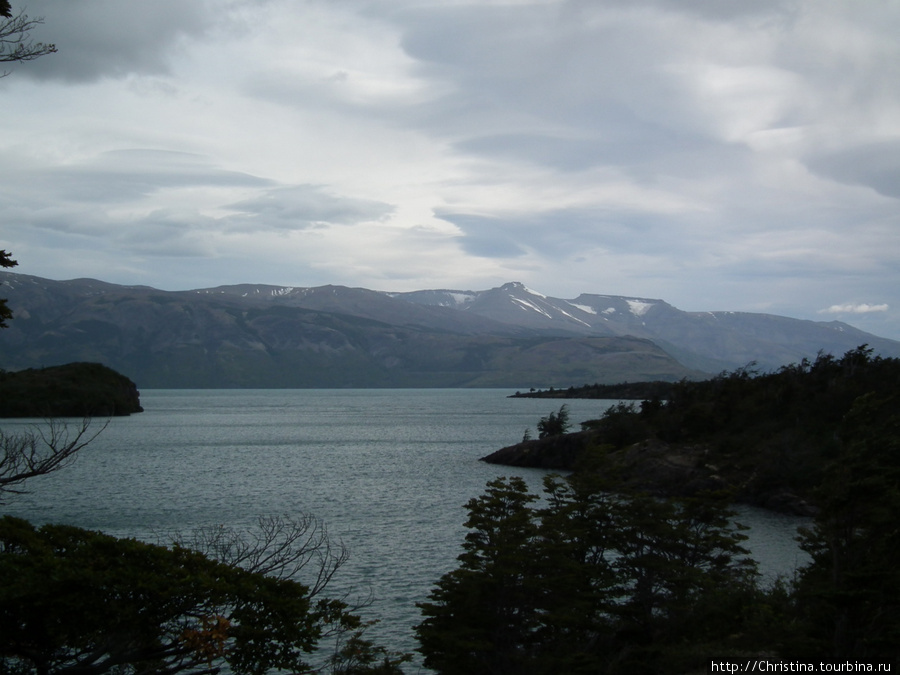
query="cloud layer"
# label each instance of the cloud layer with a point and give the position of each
(719, 155)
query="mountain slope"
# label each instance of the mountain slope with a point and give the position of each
(709, 341)
(252, 336)
(331, 336)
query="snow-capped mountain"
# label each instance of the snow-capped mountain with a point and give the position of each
(710, 341)
(332, 336)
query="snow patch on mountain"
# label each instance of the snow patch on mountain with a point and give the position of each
(287, 290)
(639, 307)
(574, 318)
(461, 299)
(530, 305)
(584, 308)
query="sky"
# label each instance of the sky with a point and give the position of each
(716, 154)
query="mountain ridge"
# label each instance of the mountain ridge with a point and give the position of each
(259, 335)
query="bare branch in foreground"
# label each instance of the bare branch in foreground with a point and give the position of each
(39, 451)
(297, 548)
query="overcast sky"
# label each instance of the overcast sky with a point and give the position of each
(717, 154)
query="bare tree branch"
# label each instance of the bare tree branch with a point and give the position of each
(15, 42)
(39, 451)
(284, 547)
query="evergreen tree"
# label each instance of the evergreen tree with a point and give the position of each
(592, 582)
(554, 424)
(5, 312)
(850, 593)
(481, 616)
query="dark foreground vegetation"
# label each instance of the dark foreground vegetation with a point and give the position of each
(72, 390)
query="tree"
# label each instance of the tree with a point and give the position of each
(554, 424)
(850, 592)
(481, 615)
(40, 451)
(75, 601)
(5, 312)
(15, 44)
(593, 582)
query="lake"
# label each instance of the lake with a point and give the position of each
(388, 471)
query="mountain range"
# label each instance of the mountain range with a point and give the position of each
(252, 335)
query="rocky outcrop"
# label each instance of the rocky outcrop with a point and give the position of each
(553, 452)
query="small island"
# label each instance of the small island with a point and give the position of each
(71, 390)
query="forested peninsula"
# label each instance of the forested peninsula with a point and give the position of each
(765, 438)
(628, 390)
(71, 390)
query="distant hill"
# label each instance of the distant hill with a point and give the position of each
(333, 336)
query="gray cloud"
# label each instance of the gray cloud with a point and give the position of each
(698, 150)
(169, 233)
(560, 233)
(300, 207)
(713, 9)
(125, 175)
(108, 38)
(873, 165)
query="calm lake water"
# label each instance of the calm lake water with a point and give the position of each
(388, 471)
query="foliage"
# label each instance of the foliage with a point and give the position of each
(587, 583)
(624, 390)
(79, 601)
(483, 612)
(71, 390)
(5, 261)
(555, 424)
(850, 593)
(766, 433)
(664, 588)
